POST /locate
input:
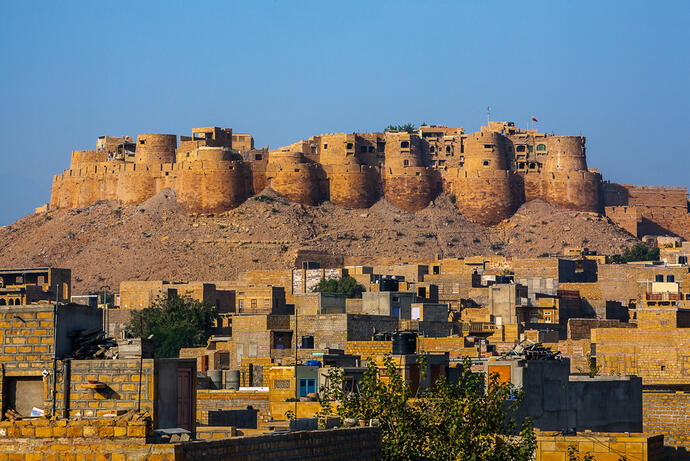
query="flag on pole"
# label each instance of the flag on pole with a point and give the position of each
(534, 119)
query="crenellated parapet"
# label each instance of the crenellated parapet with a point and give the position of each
(490, 172)
(631, 195)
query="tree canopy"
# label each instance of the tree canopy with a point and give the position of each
(175, 322)
(638, 252)
(409, 127)
(347, 285)
(469, 420)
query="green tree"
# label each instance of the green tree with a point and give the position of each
(638, 252)
(593, 369)
(174, 322)
(469, 420)
(409, 127)
(347, 285)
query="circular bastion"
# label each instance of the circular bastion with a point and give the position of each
(154, 149)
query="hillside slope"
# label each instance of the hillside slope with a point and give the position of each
(108, 242)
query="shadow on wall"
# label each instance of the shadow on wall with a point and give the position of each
(676, 453)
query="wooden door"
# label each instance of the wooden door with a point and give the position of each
(184, 398)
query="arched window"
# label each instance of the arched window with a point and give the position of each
(541, 147)
(447, 148)
(431, 149)
(3, 302)
(11, 303)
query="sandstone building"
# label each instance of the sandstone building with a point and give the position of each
(490, 173)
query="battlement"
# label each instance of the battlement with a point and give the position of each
(649, 196)
(633, 187)
(491, 171)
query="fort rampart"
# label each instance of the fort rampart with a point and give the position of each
(490, 173)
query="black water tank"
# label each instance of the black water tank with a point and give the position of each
(307, 342)
(388, 284)
(404, 343)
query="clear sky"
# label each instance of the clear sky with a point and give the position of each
(617, 72)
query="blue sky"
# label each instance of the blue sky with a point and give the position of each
(617, 72)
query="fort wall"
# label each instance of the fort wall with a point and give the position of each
(491, 173)
(212, 186)
(574, 190)
(566, 153)
(410, 188)
(155, 148)
(648, 210)
(486, 197)
(87, 157)
(296, 178)
(624, 216)
(650, 196)
(355, 186)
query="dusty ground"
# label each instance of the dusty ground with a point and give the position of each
(109, 242)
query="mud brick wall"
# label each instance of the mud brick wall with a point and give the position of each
(668, 413)
(121, 378)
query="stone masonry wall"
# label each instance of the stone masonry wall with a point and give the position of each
(105, 439)
(362, 444)
(608, 446)
(353, 171)
(656, 350)
(668, 413)
(121, 392)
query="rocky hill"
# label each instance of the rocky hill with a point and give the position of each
(109, 242)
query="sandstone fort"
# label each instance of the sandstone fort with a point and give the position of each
(489, 174)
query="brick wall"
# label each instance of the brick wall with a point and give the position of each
(366, 349)
(362, 444)
(121, 392)
(231, 400)
(668, 413)
(609, 446)
(582, 328)
(26, 337)
(28, 342)
(454, 345)
(42, 439)
(576, 350)
(656, 350)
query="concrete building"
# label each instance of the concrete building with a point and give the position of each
(391, 303)
(557, 401)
